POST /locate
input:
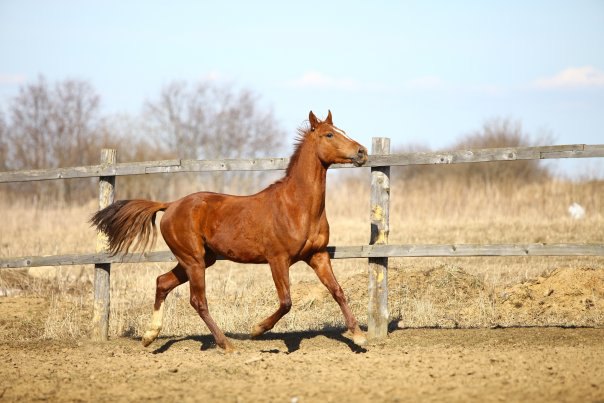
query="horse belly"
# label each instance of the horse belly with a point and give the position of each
(239, 246)
(240, 255)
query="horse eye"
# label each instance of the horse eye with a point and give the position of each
(329, 135)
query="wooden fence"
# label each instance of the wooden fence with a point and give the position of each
(377, 252)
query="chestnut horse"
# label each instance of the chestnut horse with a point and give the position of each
(283, 224)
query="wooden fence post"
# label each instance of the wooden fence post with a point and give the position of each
(377, 322)
(100, 315)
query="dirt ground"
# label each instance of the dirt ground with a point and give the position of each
(511, 364)
(479, 363)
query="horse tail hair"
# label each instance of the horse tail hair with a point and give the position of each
(126, 221)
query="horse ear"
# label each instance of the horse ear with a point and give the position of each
(314, 122)
(328, 119)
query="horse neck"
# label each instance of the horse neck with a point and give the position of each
(306, 179)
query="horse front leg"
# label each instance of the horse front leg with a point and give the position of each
(321, 264)
(280, 272)
(197, 281)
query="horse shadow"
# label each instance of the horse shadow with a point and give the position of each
(292, 340)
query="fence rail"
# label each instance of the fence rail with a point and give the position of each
(267, 164)
(377, 253)
(336, 252)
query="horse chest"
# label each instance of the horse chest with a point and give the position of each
(315, 238)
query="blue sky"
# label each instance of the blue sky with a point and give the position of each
(420, 72)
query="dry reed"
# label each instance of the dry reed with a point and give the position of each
(446, 292)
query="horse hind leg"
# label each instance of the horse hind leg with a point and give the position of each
(164, 284)
(194, 257)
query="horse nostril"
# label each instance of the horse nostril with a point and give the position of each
(361, 157)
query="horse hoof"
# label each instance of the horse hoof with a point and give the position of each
(257, 330)
(229, 348)
(148, 337)
(360, 340)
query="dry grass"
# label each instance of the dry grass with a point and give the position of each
(446, 292)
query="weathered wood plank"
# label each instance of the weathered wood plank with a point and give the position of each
(475, 250)
(102, 271)
(263, 164)
(488, 155)
(254, 164)
(49, 174)
(147, 167)
(470, 250)
(377, 320)
(589, 151)
(336, 252)
(85, 259)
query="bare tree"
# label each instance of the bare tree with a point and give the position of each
(54, 127)
(3, 143)
(495, 133)
(176, 121)
(29, 132)
(205, 121)
(60, 125)
(75, 123)
(127, 134)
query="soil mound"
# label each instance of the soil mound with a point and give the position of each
(449, 297)
(568, 297)
(444, 296)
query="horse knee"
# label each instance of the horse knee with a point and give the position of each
(199, 306)
(286, 305)
(338, 294)
(166, 282)
(159, 288)
(163, 287)
(194, 302)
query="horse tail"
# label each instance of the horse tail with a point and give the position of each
(126, 221)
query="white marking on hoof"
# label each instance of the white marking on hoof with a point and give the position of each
(359, 339)
(258, 330)
(149, 337)
(155, 326)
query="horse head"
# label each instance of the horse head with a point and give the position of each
(333, 145)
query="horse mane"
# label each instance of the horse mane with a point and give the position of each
(303, 132)
(300, 138)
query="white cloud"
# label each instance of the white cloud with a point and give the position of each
(573, 77)
(315, 79)
(12, 79)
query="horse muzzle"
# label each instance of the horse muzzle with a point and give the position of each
(360, 158)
